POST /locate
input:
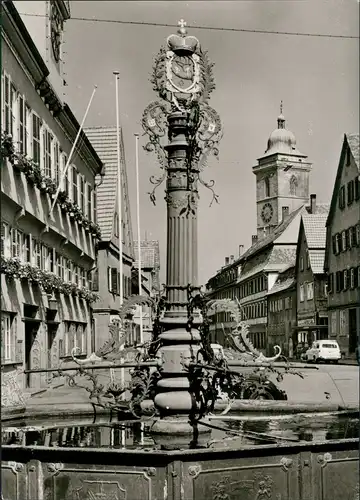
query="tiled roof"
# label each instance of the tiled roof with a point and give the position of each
(315, 230)
(254, 266)
(353, 141)
(284, 281)
(104, 142)
(263, 242)
(317, 258)
(281, 258)
(150, 254)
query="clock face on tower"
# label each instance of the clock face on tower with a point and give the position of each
(56, 27)
(267, 212)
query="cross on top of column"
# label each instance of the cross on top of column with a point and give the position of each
(182, 27)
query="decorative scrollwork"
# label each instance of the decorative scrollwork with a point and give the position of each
(55, 468)
(194, 470)
(16, 467)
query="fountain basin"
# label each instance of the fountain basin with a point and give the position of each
(54, 461)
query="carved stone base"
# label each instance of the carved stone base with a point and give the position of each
(174, 433)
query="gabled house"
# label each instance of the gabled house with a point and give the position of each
(342, 258)
(46, 255)
(106, 278)
(311, 280)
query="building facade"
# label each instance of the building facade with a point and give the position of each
(107, 277)
(281, 323)
(311, 281)
(342, 259)
(46, 255)
(150, 271)
(282, 190)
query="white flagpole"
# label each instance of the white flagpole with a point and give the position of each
(63, 174)
(138, 229)
(119, 193)
(119, 200)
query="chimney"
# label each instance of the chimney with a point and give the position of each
(254, 239)
(231, 259)
(241, 248)
(312, 203)
(285, 213)
(226, 261)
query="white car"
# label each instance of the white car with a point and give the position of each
(323, 350)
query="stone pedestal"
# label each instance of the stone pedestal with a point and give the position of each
(179, 342)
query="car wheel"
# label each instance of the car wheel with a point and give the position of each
(317, 360)
(336, 361)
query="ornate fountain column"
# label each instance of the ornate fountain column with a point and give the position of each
(183, 79)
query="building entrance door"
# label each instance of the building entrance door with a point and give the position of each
(352, 331)
(30, 335)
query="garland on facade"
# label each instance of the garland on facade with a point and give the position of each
(49, 282)
(34, 176)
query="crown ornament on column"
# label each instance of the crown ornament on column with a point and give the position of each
(181, 43)
(183, 79)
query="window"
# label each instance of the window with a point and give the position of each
(83, 277)
(267, 187)
(338, 242)
(350, 237)
(82, 193)
(350, 192)
(56, 173)
(89, 202)
(344, 241)
(36, 126)
(116, 225)
(301, 263)
(301, 293)
(65, 179)
(331, 282)
(7, 338)
(74, 185)
(74, 338)
(293, 185)
(23, 114)
(94, 207)
(357, 234)
(44, 258)
(76, 274)
(5, 240)
(345, 279)
(113, 279)
(7, 105)
(352, 278)
(310, 291)
(60, 265)
(325, 289)
(37, 253)
(342, 197)
(338, 277)
(16, 243)
(307, 261)
(27, 247)
(68, 271)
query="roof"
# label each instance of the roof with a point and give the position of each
(352, 141)
(284, 281)
(315, 230)
(317, 258)
(150, 254)
(268, 240)
(104, 141)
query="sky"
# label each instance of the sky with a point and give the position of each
(317, 78)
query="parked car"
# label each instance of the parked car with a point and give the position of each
(323, 350)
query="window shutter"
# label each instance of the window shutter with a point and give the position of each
(347, 238)
(356, 277)
(18, 342)
(345, 280)
(95, 281)
(2, 339)
(78, 335)
(357, 188)
(114, 280)
(334, 244)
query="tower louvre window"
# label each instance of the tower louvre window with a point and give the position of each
(267, 187)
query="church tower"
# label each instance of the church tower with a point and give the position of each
(282, 179)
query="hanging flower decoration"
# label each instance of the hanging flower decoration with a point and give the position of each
(48, 281)
(46, 185)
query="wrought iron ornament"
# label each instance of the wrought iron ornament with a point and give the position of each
(183, 79)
